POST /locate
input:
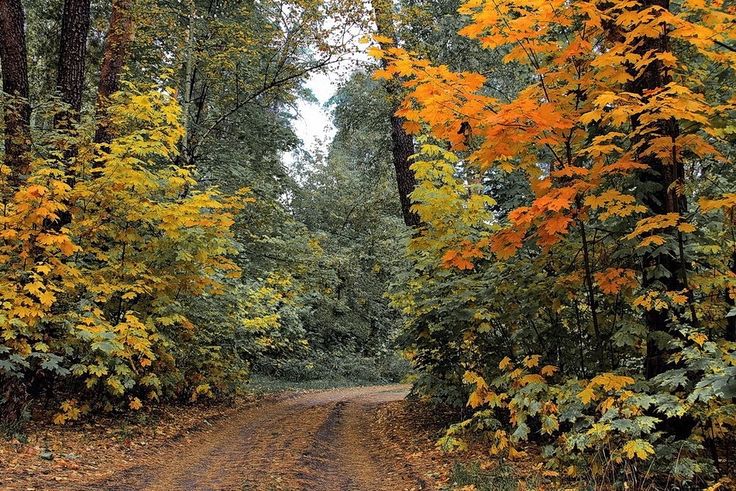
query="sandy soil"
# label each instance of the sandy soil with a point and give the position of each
(312, 441)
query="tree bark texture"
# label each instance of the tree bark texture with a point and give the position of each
(118, 42)
(75, 24)
(664, 179)
(13, 57)
(402, 143)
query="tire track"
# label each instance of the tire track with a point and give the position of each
(319, 441)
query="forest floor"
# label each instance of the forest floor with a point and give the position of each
(359, 438)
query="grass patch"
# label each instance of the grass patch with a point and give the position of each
(259, 383)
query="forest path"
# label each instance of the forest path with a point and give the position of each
(308, 441)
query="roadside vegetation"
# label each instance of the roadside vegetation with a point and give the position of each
(527, 211)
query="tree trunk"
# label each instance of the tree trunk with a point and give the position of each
(402, 143)
(75, 24)
(402, 149)
(13, 57)
(187, 88)
(663, 178)
(117, 45)
(731, 321)
(666, 180)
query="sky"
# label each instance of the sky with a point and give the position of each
(313, 124)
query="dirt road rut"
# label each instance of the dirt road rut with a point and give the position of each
(310, 441)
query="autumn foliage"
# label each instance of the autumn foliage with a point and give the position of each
(97, 306)
(612, 262)
(569, 281)
(136, 264)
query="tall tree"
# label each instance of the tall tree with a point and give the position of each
(622, 126)
(402, 143)
(731, 320)
(75, 24)
(666, 181)
(118, 41)
(13, 57)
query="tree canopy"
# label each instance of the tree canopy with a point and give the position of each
(530, 202)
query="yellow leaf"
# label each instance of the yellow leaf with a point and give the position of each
(532, 378)
(686, 228)
(375, 52)
(610, 381)
(587, 395)
(47, 298)
(67, 247)
(531, 361)
(642, 449)
(382, 39)
(476, 399)
(135, 404)
(516, 454)
(36, 288)
(699, 338)
(652, 239)
(605, 98)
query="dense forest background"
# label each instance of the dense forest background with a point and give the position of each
(207, 95)
(530, 204)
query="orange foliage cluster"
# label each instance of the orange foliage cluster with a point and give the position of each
(582, 83)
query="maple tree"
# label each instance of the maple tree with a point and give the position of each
(569, 216)
(154, 244)
(614, 247)
(105, 274)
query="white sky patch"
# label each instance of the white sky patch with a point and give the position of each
(313, 124)
(313, 121)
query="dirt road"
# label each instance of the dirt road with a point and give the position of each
(310, 441)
